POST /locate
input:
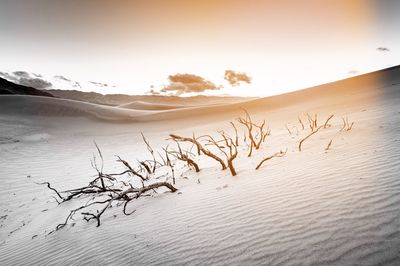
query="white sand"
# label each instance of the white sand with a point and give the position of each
(340, 207)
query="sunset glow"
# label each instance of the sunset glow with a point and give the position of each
(136, 45)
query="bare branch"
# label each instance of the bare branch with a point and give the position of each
(236, 134)
(287, 128)
(329, 145)
(131, 170)
(346, 126)
(150, 149)
(247, 122)
(309, 135)
(200, 148)
(180, 155)
(326, 125)
(277, 154)
(301, 123)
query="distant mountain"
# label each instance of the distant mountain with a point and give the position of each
(122, 99)
(10, 88)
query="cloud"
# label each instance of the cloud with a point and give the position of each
(234, 78)
(26, 79)
(21, 74)
(99, 84)
(74, 84)
(383, 49)
(62, 78)
(8, 77)
(187, 83)
(36, 83)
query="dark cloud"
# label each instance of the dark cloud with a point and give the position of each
(37, 75)
(76, 84)
(383, 49)
(26, 79)
(8, 76)
(62, 78)
(187, 83)
(36, 83)
(99, 84)
(21, 74)
(234, 78)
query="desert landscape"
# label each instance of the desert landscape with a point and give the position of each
(327, 193)
(201, 132)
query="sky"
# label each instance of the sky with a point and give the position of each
(136, 45)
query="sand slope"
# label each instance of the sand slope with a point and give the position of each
(340, 207)
(119, 99)
(382, 83)
(44, 106)
(141, 105)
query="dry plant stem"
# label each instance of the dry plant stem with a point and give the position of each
(180, 155)
(309, 135)
(200, 148)
(89, 216)
(326, 125)
(93, 162)
(169, 163)
(51, 188)
(233, 152)
(146, 167)
(228, 148)
(164, 163)
(277, 154)
(112, 194)
(106, 189)
(301, 122)
(246, 121)
(150, 149)
(140, 191)
(329, 145)
(350, 126)
(193, 164)
(288, 130)
(250, 150)
(262, 134)
(314, 129)
(130, 169)
(267, 133)
(236, 134)
(313, 122)
(198, 145)
(346, 126)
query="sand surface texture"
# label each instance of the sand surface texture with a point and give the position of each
(314, 207)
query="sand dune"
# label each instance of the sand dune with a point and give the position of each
(119, 99)
(382, 83)
(141, 105)
(43, 106)
(340, 207)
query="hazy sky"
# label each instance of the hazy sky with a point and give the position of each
(282, 45)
